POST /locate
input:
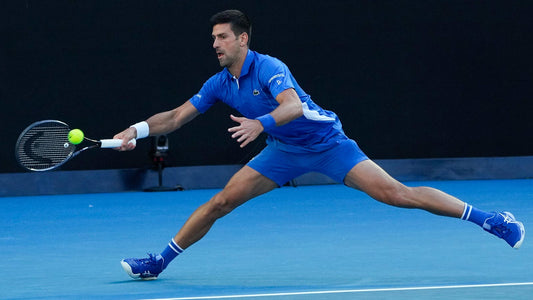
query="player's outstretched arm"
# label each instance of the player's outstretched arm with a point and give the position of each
(161, 123)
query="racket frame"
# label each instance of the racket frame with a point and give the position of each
(105, 143)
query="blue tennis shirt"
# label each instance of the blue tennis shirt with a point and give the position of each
(253, 94)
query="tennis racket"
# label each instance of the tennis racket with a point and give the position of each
(44, 145)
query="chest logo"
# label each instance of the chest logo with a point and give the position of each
(256, 92)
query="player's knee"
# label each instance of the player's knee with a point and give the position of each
(397, 196)
(220, 205)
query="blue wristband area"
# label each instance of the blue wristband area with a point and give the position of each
(267, 121)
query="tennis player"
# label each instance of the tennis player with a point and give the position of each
(302, 137)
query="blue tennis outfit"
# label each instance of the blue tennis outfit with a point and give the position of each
(312, 142)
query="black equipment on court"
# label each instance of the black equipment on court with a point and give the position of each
(158, 153)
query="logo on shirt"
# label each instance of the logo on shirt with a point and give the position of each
(276, 76)
(256, 92)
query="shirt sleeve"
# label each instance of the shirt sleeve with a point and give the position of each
(206, 97)
(275, 76)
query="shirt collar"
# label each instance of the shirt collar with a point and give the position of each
(247, 63)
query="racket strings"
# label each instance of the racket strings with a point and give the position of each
(44, 146)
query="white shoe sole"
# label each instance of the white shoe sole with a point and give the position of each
(128, 270)
(523, 234)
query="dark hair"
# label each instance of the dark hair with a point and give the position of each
(239, 21)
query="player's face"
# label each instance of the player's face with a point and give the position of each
(226, 44)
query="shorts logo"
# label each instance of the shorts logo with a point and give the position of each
(278, 82)
(256, 92)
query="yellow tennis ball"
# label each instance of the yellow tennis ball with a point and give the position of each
(75, 136)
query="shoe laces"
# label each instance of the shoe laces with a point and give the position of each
(502, 229)
(151, 260)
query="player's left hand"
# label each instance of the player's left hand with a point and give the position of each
(247, 130)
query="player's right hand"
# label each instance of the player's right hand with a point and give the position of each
(126, 136)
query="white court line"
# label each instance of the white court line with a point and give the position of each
(442, 287)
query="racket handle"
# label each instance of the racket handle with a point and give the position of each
(114, 143)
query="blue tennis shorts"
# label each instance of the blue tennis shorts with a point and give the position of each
(281, 166)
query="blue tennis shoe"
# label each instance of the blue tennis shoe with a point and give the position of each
(505, 226)
(143, 268)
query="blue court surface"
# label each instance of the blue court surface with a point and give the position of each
(310, 242)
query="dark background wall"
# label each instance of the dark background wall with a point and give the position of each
(409, 79)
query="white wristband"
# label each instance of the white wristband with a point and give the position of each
(143, 130)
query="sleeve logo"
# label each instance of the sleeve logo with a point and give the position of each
(276, 76)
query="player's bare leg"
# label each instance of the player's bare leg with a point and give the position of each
(371, 179)
(243, 186)
(378, 184)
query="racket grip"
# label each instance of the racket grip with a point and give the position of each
(114, 143)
